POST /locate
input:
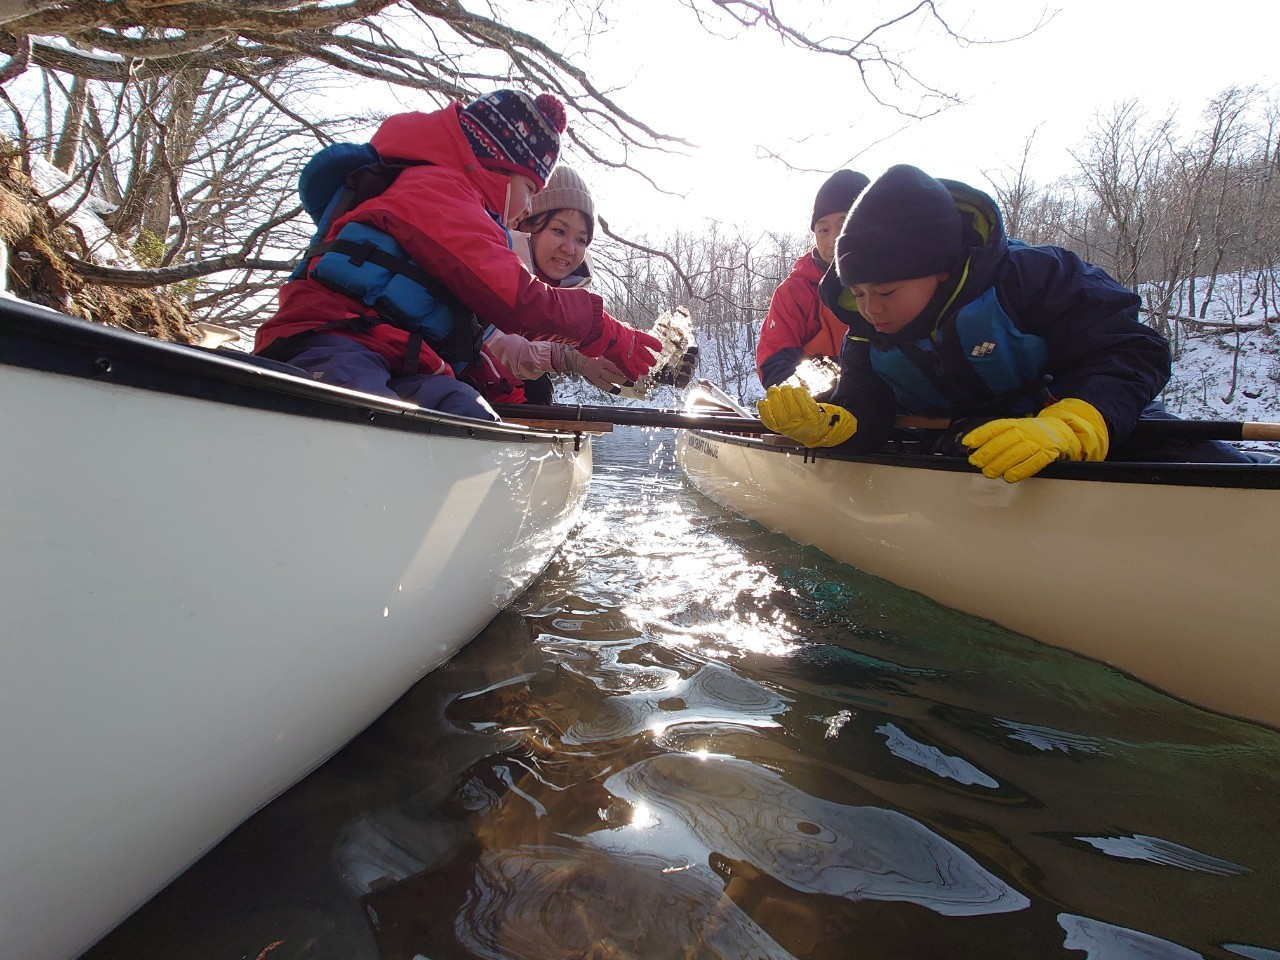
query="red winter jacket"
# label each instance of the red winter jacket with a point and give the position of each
(798, 325)
(439, 213)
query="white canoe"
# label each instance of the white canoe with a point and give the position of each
(1165, 571)
(212, 577)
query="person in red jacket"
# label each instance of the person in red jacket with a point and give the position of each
(798, 325)
(402, 316)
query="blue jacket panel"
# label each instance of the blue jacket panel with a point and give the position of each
(363, 262)
(1027, 326)
(1005, 360)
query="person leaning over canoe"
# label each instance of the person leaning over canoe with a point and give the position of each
(798, 325)
(949, 318)
(552, 241)
(398, 317)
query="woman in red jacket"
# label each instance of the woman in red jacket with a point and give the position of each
(401, 316)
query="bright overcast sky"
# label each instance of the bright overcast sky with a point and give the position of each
(729, 96)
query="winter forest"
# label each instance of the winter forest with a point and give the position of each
(183, 133)
(1183, 209)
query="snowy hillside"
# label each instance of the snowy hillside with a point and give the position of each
(1212, 380)
(84, 212)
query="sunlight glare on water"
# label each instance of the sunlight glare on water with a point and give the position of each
(692, 738)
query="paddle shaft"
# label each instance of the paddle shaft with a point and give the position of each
(629, 417)
(1226, 429)
(1157, 429)
(651, 417)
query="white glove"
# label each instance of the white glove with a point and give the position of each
(599, 372)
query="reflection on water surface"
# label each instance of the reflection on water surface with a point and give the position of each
(694, 739)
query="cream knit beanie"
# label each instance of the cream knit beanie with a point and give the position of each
(565, 190)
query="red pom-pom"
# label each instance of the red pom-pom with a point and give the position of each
(551, 108)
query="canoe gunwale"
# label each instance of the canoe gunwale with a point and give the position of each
(36, 338)
(1241, 475)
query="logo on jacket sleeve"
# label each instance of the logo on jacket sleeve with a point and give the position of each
(984, 349)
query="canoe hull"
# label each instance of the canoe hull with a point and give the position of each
(201, 601)
(1166, 581)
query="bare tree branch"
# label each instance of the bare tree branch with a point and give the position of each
(19, 59)
(650, 251)
(210, 164)
(164, 276)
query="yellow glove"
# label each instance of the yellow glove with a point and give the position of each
(1022, 447)
(792, 412)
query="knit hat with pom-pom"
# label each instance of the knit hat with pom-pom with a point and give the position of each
(513, 132)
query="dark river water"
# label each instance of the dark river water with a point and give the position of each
(692, 738)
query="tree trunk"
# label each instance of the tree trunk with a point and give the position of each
(177, 144)
(1213, 280)
(72, 133)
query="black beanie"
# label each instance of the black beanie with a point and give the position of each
(905, 225)
(837, 194)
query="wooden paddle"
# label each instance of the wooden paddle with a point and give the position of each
(1211, 429)
(1158, 429)
(729, 423)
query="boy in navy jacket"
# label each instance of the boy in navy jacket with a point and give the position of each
(949, 318)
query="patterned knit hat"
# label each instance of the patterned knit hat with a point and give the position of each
(905, 225)
(513, 132)
(565, 190)
(837, 194)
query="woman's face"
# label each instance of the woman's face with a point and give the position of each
(560, 247)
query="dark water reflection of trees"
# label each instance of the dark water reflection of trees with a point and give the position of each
(693, 738)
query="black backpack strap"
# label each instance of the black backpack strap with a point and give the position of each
(950, 373)
(412, 351)
(365, 183)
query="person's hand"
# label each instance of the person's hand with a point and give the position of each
(630, 350)
(1023, 446)
(598, 372)
(679, 374)
(792, 412)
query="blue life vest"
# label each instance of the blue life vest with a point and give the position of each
(979, 360)
(368, 265)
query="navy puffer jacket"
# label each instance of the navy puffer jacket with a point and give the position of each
(1015, 328)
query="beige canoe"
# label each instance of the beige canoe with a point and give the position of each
(1166, 572)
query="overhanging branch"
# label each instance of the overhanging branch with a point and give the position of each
(164, 276)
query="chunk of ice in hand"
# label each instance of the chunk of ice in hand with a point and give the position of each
(677, 360)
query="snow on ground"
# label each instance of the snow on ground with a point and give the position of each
(1228, 373)
(1213, 379)
(106, 248)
